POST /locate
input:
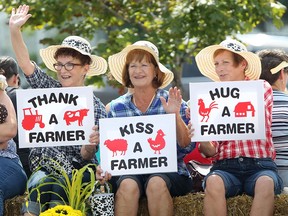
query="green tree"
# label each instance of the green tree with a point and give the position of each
(179, 28)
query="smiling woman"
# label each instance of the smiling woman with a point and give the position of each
(72, 61)
(137, 67)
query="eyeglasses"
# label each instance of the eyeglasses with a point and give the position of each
(68, 66)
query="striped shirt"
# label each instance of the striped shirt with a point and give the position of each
(123, 107)
(280, 127)
(251, 148)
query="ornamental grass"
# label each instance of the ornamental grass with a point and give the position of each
(76, 191)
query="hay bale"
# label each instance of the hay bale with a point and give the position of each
(281, 205)
(239, 205)
(13, 206)
(192, 204)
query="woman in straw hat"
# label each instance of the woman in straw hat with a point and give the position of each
(275, 71)
(240, 166)
(137, 67)
(72, 61)
(12, 175)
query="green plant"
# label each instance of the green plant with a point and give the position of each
(77, 192)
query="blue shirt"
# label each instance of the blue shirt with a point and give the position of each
(123, 107)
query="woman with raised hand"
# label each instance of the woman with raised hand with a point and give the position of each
(137, 67)
(73, 62)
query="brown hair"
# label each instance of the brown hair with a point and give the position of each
(237, 59)
(84, 59)
(139, 55)
(271, 59)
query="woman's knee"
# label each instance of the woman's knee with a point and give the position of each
(214, 184)
(156, 184)
(128, 187)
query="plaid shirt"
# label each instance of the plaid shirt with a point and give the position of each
(39, 79)
(251, 148)
(123, 107)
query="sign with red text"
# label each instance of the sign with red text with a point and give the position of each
(138, 145)
(55, 116)
(227, 110)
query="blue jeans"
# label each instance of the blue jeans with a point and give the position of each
(50, 194)
(240, 174)
(12, 179)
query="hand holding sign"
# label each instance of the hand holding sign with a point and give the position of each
(54, 117)
(226, 111)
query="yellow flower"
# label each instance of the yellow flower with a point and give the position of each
(60, 210)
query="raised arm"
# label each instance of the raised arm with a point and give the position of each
(173, 105)
(18, 18)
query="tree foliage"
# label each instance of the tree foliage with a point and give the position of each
(179, 28)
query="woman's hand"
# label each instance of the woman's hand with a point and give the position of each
(100, 177)
(19, 16)
(88, 151)
(174, 101)
(191, 130)
(94, 138)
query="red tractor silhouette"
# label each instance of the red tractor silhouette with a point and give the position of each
(30, 120)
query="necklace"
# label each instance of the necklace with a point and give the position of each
(134, 101)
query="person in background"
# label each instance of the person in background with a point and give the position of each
(72, 61)
(275, 71)
(13, 178)
(10, 70)
(239, 166)
(137, 67)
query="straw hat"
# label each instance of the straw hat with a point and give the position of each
(98, 65)
(117, 61)
(205, 61)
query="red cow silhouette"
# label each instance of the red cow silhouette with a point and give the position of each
(205, 112)
(117, 145)
(159, 142)
(29, 120)
(78, 115)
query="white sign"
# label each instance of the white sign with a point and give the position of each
(227, 110)
(55, 116)
(138, 145)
